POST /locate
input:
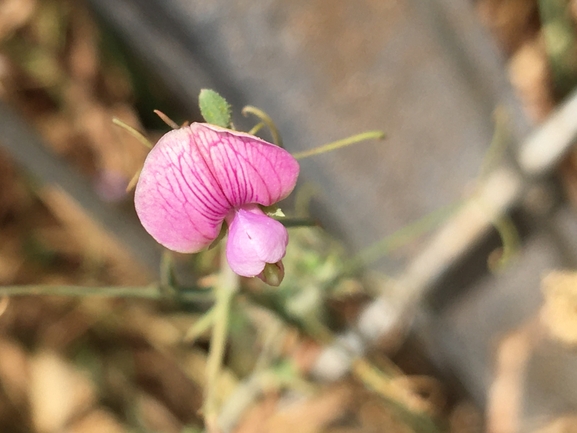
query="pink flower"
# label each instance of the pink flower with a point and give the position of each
(198, 176)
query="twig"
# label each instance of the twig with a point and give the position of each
(166, 119)
(398, 397)
(545, 147)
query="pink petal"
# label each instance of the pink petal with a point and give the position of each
(248, 169)
(254, 240)
(196, 175)
(177, 198)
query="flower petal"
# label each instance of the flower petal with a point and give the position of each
(248, 169)
(196, 175)
(254, 240)
(177, 198)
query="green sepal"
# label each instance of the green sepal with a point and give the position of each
(289, 222)
(221, 234)
(214, 108)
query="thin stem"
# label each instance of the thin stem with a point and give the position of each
(499, 143)
(225, 290)
(200, 326)
(368, 135)
(398, 238)
(297, 221)
(166, 119)
(504, 225)
(132, 184)
(265, 118)
(166, 271)
(256, 128)
(510, 240)
(397, 396)
(133, 131)
(143, 292)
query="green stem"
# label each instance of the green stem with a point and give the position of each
(369, 135)
(224, 292)
(143, 292)
(133, 131)
(510, 242)
(256, 128)
(200, 326)
(132, 184)
(297, 222)
(265, 118)
(400, 237)
(499, 143)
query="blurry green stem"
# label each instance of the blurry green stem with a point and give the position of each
(166, 271)
(501, 139)
(152, 291)
(132, 184)
(225, 290)
(510, 239)
(559, 33)
(200, 326)
(256, 128)
(265, 118)
(398, 238)
(494, 156)
(132, 131)
(369, 135)
(297, 222)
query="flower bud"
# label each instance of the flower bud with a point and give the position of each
(272, 274)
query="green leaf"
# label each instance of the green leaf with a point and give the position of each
(214, 108)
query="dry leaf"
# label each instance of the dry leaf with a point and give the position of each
(559, 313)
(58, 392)
(14, 371)
(304, 415)
(97, 421)
(565, 424)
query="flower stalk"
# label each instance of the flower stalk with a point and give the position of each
(225, 291)
(266, 120)
(368, 135)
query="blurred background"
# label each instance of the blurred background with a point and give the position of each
(439, 294)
